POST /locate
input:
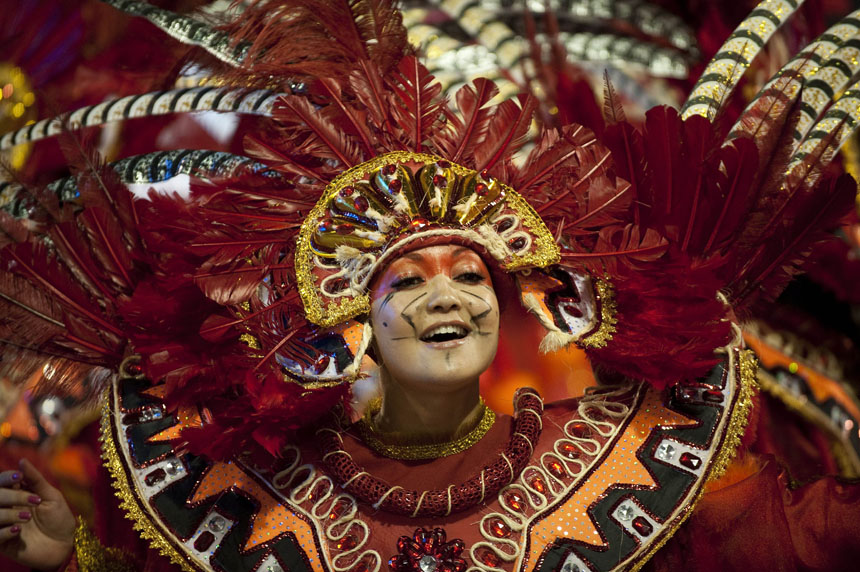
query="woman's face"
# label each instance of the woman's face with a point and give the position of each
(435, 318)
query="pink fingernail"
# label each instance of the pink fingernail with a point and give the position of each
(15, 529)
(33, 499)
(16, 476)
(24, 515)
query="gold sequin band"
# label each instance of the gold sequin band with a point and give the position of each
(421, 452)
(606, 302)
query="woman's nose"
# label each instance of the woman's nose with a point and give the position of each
(442, 297)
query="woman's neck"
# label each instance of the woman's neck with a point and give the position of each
(426, 416)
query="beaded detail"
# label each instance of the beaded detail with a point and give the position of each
(528, 409)
(417, 452)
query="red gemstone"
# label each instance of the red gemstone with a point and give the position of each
(573, 310)
(481, 189)
(686, 394)
(537, 484)
(580, 429)
(325, 225)
(454, 548)
(400, 563)
(134, 369)
(361, 203)
(518, 243)
(642, 526)
(347, 191)
(485, 174)
(505, 224)
(690, 461)
(345, 228)
(395, 185)
(713, 396)
(557, 469)
(154, 477)
(348, 542)
(440, 181)
(338, 509)
(321, 364)
(570, 450)
(389, 169)
(499, 528)
(204, 541)
(515, 500)
(489, 558)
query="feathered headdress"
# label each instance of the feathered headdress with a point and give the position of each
(250, 296)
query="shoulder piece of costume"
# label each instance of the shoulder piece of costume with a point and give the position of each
(814, 391)
(247, 301)
(611, 480)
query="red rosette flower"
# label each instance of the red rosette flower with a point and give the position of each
(428, 551)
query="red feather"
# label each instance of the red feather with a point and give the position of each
(613, 111)
(416, 107)
(554, 149)
(325, 139)
(259, 149)
(506, 131)
(459, 140)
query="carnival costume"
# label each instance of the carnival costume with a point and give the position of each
(227, 326)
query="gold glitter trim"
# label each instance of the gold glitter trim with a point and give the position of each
(748, 365)
(603, 335)
(93, 557)
(420, 452)
(547, 251)
(250, 341)
(129, 502)
(739, 417)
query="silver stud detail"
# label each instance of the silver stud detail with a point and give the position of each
(428, 563)
(173, 466)
(625, 512)
(665, 451)
(216, 523)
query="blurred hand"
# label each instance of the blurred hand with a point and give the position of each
(37, 528)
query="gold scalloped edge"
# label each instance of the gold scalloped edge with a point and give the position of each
(740, 415)
(603, 293)
(93, 556)
(747, 386)
(142, 522)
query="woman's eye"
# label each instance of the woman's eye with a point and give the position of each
(406, 282)
(470, 277)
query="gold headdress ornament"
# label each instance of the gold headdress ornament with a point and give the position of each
(399, 198)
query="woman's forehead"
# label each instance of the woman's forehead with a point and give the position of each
(435, 259)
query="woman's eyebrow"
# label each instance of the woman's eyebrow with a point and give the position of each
(413, 256)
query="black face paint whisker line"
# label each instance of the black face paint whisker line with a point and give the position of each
(406, 317)
(386, 300)
(478, 317)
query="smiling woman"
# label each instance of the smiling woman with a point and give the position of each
(435, 319)
(393, 222)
